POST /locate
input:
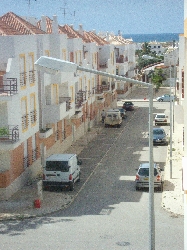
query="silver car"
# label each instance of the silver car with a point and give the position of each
(165, 98)
(161, 119)
(142, 177)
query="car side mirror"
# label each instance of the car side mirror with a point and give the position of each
(79, 162)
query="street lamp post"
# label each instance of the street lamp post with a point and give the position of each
(53, 66)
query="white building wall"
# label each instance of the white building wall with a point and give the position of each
(181, 63)
(18, 45)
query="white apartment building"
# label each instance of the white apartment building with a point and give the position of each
(125, 59)
(42, 113)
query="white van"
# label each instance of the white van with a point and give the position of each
(113, 118)
(61, 170)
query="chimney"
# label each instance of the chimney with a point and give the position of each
(80, 29)
(55, 25)
(107, 36)
(43, 24)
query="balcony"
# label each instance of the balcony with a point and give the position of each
(25, 121)
(55, 112)
(32, 77)
(77, 115)
(103, 65)
(8, 88)
(101, 89)
(67, 100)
(33, 116)
(121, 59)
(34, 154)
(80, 98)
(25, 162)
(9, 133)
(23, 78)
(45, 133)
(100, 99)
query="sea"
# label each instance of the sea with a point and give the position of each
(160, 37)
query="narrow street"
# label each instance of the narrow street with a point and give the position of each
(108, 213)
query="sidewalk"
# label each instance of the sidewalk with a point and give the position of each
(172, 196)
(21, 204)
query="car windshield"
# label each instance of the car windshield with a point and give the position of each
(160, 116)
(145, 171)
(158, 132)
(57, 166)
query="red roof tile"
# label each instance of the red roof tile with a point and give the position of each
(20, 25)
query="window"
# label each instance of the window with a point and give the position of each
(57, 166)
(24, 113)
(31, 68)
(22, 67)
(33, 109)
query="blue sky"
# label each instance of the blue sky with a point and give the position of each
(128, 16)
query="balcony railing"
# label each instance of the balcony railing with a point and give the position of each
(25, 162)
(32, 76)
(103, 65)
(25, 121)
(9, 87)
(101, 88)
(67, 100)
(80, 98)
(62, 99)
(34, 154)
(23, 77)
(9, 133)
(33, 116)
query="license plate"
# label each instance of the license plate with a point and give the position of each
(145, 179)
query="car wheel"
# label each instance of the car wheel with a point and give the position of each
(71, 186)
(160, 188)
(79, 179)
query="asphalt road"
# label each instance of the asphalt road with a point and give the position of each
(108, 213)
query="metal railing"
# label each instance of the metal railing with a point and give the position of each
(80, 97)
(25, 162)
(33, 116)
(32, 76)
(9, 87)
(25, 121)
(9, 133)
(23, 77)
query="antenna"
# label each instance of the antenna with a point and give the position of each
(65, 12)
(29, 2)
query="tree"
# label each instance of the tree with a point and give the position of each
(157, 76)
(146, 49)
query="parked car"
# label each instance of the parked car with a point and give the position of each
(161, 119)
(159, 136)
(123, 113)
(61, 170)
(165, 98)
(113, 118)
(128, 106)
(142, 177)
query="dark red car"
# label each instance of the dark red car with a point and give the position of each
(128, 106)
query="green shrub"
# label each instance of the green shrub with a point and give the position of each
(4, 131)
